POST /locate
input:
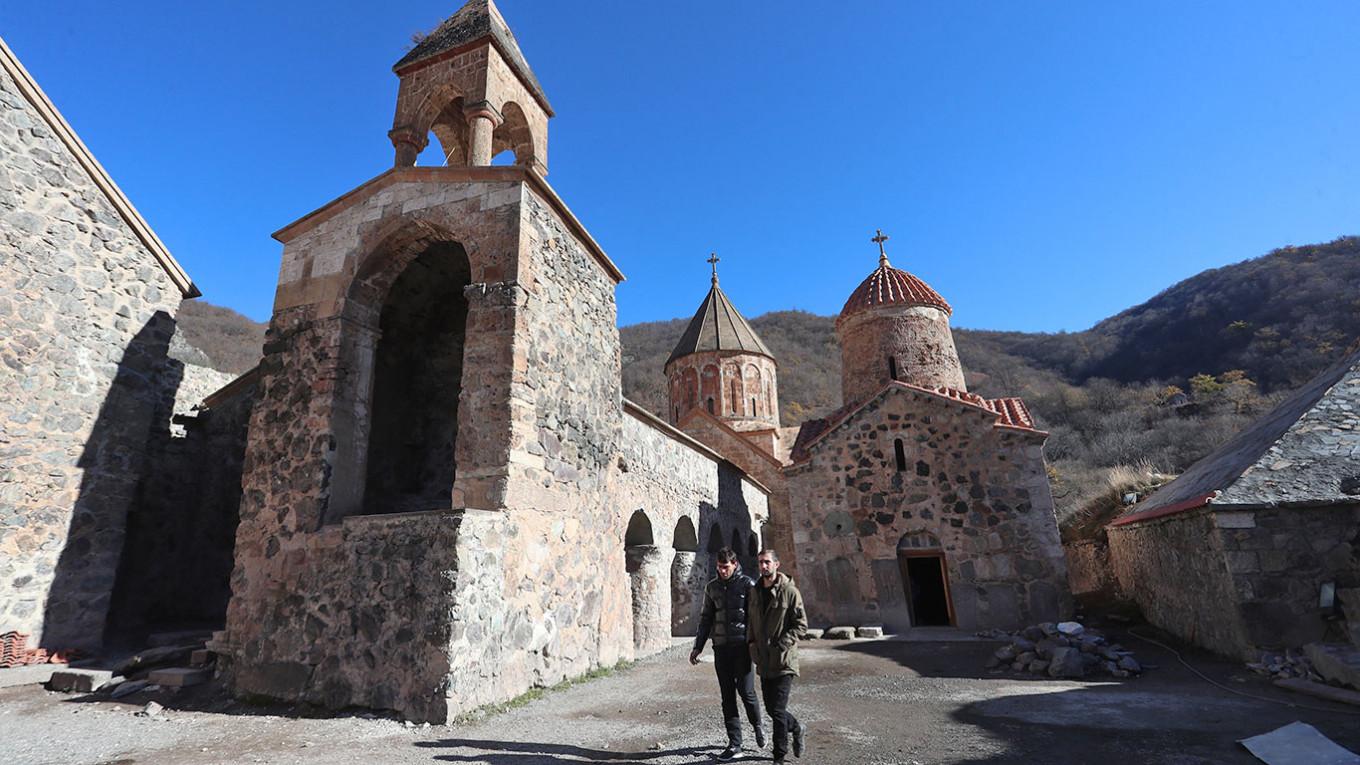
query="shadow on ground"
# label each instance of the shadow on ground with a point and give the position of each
(528, 753)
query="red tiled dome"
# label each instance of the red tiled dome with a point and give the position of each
(891, 286)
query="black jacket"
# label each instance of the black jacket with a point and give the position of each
(724, 613)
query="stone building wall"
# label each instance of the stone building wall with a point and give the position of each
(1174, 568)
(668, 480)
(1233, 581)
(523, 580)
(178, 555)
(86, 319)
(979, 490)
(760, 465)
(916, 338)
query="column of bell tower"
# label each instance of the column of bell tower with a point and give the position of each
(468, 83)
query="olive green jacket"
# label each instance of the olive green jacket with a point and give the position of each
(773, 630)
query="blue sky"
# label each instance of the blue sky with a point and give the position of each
(1041, 164)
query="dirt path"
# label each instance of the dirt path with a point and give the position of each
(866, 703)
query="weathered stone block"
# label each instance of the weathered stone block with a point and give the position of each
(840, 633)
(870, 631)
(78, 680)
(179, 677)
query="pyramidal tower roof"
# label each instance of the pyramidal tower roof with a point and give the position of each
(718, 326)
(476, 21)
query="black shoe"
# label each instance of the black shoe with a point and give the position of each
(729, 752)
(779, 760)
(798, 734)
(760, 738)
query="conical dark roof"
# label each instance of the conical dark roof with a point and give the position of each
(717, 326)
(476, 20)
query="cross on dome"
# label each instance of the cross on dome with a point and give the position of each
(882, 253)
(713, 261)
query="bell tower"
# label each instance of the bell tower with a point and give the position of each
(721, 366)
(468, 83)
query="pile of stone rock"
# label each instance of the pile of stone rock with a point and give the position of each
(1286, 665)
(1062, 649)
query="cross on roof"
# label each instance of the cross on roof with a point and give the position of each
(713, 261)
(882, 253)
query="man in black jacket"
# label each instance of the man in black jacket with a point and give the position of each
(724, 619)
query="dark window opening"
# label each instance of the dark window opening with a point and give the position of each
(753, 407)
(710, 406)
(892, 368)
(901, 454)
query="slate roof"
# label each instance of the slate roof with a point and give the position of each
(1306, 451)
(892, 286)
(476, 20)
(718, 326)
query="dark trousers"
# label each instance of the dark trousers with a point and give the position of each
(736, 678)
(775, 690)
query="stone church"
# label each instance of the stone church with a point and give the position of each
(431, 494)
(916, 503)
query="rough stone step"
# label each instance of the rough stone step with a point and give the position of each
(201, 658)
(840, 633)
(870, 631)
(31, 674)
(1331, 693)
(78, 680)
(179, 677)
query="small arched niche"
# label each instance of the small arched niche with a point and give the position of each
(639, 533)
(685, 539)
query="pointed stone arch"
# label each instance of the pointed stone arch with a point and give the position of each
(515, 135)
(687, 579)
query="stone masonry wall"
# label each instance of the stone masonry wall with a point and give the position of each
(1234, 581)
(1174, 569)
(981, 491)
(86, 318)
(523, 582)
(917, 338)
(667, 480)
(177, 559)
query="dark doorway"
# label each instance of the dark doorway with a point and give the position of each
(923, 580)
(417, 377)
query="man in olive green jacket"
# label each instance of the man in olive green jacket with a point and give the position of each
(776, 620)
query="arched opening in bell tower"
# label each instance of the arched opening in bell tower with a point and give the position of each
(417, 378)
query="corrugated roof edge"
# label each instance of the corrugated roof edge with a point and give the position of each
(102, 180)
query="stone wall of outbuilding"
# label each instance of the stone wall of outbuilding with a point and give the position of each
(86, 319)
(980, 490)
(1234, 581)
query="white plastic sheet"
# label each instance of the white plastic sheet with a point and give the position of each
(1298, 744)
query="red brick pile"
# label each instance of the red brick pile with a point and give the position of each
(14, 652)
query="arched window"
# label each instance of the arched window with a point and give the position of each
(892, 368)
(736, 395)
(710, 406)
(901, 453)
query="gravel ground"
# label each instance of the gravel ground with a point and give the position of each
(865, 702)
